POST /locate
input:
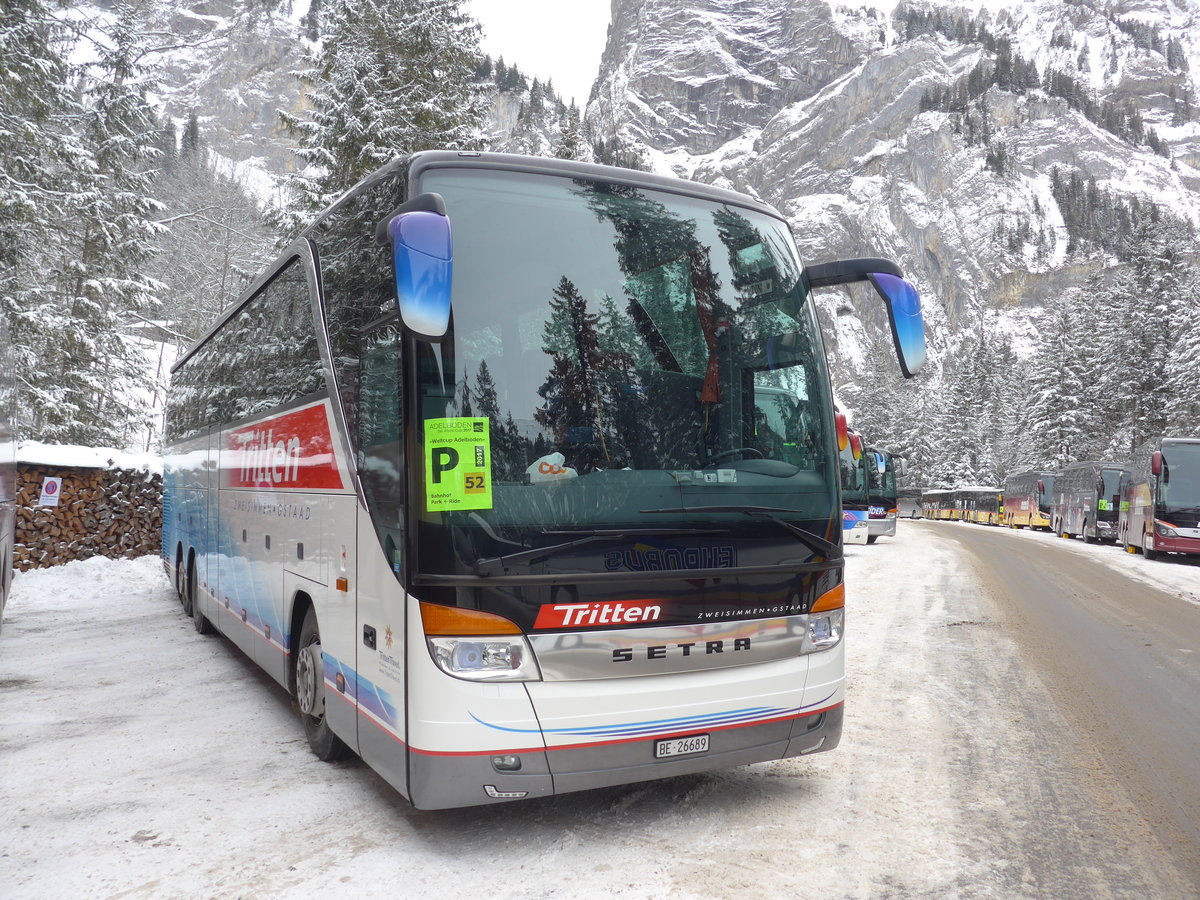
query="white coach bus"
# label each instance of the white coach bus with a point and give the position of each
(522, 476)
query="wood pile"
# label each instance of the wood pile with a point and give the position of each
(101, 512)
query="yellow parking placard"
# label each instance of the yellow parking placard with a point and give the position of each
(458, 464)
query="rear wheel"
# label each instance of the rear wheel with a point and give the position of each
(310, 692)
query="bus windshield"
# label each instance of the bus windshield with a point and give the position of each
(1179, 487)
(639, 361)
(853, 477)
(882, 471)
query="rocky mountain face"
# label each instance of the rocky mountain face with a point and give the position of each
(939, 134)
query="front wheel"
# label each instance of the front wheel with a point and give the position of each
(1148, 547)
(310, 692)
(199, 620)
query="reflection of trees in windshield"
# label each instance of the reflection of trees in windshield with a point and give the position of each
(1179, 488)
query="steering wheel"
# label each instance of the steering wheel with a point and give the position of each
(744, 451)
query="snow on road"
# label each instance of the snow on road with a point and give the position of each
(139, 759)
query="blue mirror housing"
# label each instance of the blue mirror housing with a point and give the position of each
(904, 315)
(422, 258)
(903, 304)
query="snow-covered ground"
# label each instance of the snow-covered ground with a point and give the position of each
(139, 759)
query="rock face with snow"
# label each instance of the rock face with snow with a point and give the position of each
(681, 75)
(832, 115)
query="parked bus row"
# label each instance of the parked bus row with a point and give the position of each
(870, 504)
(1150, 504)
(544, 504)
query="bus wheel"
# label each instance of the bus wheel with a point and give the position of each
(872, 538)
(189, 582)
(199, 620)
(310, 692)
(1148, 547)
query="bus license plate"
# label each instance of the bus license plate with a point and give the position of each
(697, 743)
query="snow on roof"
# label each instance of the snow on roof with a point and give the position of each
(38, 453)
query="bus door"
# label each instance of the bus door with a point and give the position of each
(380, 600)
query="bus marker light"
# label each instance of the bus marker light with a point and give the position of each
(342, 584)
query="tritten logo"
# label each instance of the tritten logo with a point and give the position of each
(294, 450)
(596, 615)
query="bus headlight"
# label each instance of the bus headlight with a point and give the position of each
(824, 630)
(484, 659)
(476, 645)
(826, 620)
(1165, 530)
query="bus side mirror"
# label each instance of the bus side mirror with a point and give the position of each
(843, 431)
(900, 297)
(1156, 462)
(902, 467)
(905, 317)
(422, 263)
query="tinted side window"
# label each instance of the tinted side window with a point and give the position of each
(356, 274)
(264, 357)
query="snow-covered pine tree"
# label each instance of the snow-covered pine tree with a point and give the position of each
(39, 164)
(109, 239)
(215, 241)
(571, 142)
(82, 286)
(1058, 414)
(391, 77)
(1183, 362)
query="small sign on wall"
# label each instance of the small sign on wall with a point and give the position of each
(51, 488)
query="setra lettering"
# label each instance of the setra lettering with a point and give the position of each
(662, 651)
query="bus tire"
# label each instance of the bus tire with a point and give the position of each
(1148, 547)
(872, 538)
(199, 620)
(185, 595)
(310, 693)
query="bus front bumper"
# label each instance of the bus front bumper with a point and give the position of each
(475, 780)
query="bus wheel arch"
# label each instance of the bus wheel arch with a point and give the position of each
(308, 677)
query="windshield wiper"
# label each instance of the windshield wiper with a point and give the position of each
(814, 542)
(492, 565)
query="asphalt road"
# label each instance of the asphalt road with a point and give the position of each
(1121, 661)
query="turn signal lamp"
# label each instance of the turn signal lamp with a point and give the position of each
(826, 621)
(477, 646)
(831, 599)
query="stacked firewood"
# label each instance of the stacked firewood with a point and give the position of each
(100, 512)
